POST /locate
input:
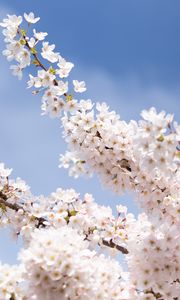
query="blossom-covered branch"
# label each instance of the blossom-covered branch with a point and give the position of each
(61, 259)
(139, 156)
(62, 208)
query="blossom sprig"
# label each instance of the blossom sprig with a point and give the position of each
(30, 18)
(136, 156)
(50, 80)
(54, 266)
(66, 214)
(151, 252)
(69, 269)
(63, 207)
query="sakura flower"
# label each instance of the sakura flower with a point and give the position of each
(121, 209)
(34, 81)
(10, 33)
(32, 42)
(62, 88)
(13, 50)
(159, 120)
(64, 67)
(48, 53)
(30, 18)
(9, 54)
(71, 106)
(54, 91)
(102, 107)
(24, 58)
(10, 278)
(79, 86)
(17, 71)
(86, 104)
(12, 21)
(40, 36)
(177, 129)
(46, 78)
(4, 172)
(54, 107)
(20, 185)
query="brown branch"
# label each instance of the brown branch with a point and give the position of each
(35, 56)
(14, 206)
(12, 297)
(111, 244)
(41, 222)
(3, 196)
(3, 200)
(40, 64)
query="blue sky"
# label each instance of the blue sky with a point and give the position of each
(128, 52)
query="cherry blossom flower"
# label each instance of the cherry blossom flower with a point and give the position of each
(79, 86)
(48, 53)
(16, 71)
(30, 18)
(4, 172)
(12, 21)
(64, 68)
(40, 36)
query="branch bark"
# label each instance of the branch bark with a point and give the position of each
(14, 206)
(111, 244)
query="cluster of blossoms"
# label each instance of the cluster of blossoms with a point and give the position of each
(136, 156)
(50, 81)
(154, 258)
(59, 265)
(63, 234)
(61, 208)
(10, 282)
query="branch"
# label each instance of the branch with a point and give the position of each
(111, 244)
(36, 57)
(16, 207)
(40, 64)
(3, 200)
(41, 222)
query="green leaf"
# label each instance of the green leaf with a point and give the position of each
(161, 138)
(178, 154)
(69, 97)
(33, 218)
(67, 219)
(22, 42)
(33, 51)
(35, 62)
(52, 70)
(72, 212)
(23, 32)
(3, 207)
